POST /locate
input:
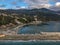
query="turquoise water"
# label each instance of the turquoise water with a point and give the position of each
(30, 43)
(51, 26)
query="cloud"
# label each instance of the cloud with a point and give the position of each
(3, 8)
(17, 6)
(43, 4)
(56, 7)
(2, 0)
(34, 4)
(14, 3)
(40, 6)
(37, 3)
(20, 0)
(2, 5)
(58, 4)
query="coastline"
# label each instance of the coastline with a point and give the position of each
(29, 41)
(43, 36)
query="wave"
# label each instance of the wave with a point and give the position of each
(29, 40)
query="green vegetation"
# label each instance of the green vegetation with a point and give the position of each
(27, 16)
(6, 20)
(11, 19)
(22, 20)
(25, 19)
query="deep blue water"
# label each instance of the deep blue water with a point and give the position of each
(30, 43)
(51, 26)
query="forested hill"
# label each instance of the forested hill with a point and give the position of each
(43, 12)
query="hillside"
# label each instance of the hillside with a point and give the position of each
(42, 13)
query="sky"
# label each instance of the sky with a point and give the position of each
(29, 4)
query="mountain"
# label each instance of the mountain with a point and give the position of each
(58, 12)
(26, 10)
(31, 12)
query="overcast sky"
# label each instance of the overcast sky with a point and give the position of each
(18, 4)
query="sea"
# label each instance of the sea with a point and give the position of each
(41, 42)
(51, 26)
